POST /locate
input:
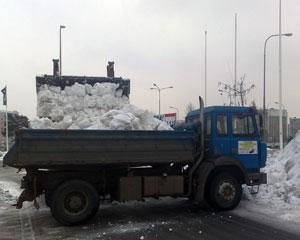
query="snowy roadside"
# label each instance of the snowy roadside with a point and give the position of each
(278, 202)
(9, 191)
(284, 216)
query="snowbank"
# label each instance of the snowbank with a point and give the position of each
(101, 106)
(279, 200)
(283, 173)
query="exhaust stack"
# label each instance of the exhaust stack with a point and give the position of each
(55, 67)
(110, 69)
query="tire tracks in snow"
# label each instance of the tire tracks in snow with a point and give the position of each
(27, 232)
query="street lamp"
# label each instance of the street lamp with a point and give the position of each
(205, 70)
(281, 105)
(156, 87)
(176, 110)
(60, 59)
(264, 87)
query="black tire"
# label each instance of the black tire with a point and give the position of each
(225, 191)
(74, 202)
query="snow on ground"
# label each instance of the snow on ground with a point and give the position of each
(279, 200)
(9, 192)
(2, 155)
(10, 187)
(101, 106)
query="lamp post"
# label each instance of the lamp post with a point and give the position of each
(264, 87)
(280, 78)
(176, 110)
(282, 107)
(156, 87)
(60, 59)
(205, 70)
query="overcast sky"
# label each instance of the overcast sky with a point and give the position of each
(159, 41)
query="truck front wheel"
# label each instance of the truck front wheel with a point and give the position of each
(74, 202)
(225, 191)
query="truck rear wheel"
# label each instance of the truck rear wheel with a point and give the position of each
(74, 202)
(225, 191)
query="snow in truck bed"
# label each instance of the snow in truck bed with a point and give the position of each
(101, 106)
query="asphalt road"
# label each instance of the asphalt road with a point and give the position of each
(153, 219)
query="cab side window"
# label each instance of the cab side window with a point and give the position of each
(242, 125)
(222, 124)
(207, 125)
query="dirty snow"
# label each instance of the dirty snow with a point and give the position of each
(9, 191)
(283, 170)
(279, 200)
(2, 154)
(101, 106)
(10, 187)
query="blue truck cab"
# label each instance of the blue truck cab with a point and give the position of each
(234, 133)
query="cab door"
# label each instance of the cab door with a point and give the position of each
(245, 140)
(222, 142)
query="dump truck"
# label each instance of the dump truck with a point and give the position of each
(206, 159)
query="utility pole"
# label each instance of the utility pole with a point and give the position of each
(4, 92)
(6, 119)
(264, 80)
(235, 56)
(60, 57)
(177, 118)
(205, 70)
(280, 80)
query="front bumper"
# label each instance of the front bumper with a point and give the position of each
(256, 178)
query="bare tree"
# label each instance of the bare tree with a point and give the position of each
(189, 107)
(236, 92)
(253, 103)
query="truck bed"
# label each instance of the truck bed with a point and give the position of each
(55, 148)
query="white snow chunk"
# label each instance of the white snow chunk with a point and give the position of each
(101, 106)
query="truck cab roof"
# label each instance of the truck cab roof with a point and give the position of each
(195, 113)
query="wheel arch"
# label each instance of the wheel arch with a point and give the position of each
(231, 165)
(90, 203)
(50, 180)
(211, 167)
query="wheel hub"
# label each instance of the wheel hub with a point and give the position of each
(227, 191)
(75, 202)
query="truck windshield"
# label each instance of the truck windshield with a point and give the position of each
(242, 125)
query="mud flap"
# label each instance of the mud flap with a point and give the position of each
(28, 195)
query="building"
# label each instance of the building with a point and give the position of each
(169, 118)
(294, 127)
(272, 126)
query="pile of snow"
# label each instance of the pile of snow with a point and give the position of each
(284, 173)
(277, 202)
(2, 154)
(101, 106)
(283, 170)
